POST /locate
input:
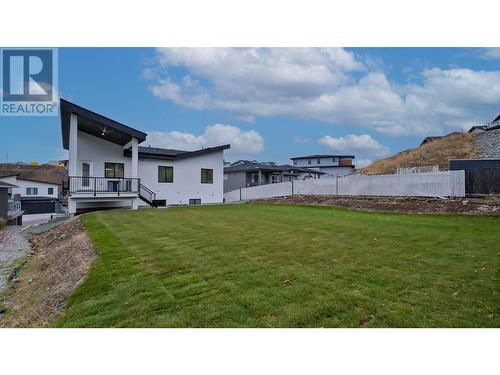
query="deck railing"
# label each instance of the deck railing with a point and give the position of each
(103, 185)
(13, 208)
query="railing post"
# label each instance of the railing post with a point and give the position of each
(95, 187)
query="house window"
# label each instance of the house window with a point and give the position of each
(274, 178)
(309, 162)
(50, 191)
(318, 161)
(195, 201)
(295, 162)
(31, 191)
(114, 170)
(254, 178)
(165, 174)
(207, 176)
(225, 176)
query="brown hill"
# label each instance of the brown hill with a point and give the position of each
(437, 152)
(44, 172)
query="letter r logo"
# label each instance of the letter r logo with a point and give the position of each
(27, 75)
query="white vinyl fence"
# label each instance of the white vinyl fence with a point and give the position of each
(433, 184)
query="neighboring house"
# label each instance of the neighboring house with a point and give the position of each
(27, 187)
(246, 173)
(107, 168)
(430, 139)
(10, 209)
(332, 165)
(477, 129)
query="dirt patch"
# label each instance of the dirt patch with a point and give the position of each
(62, 258)
(477, 206)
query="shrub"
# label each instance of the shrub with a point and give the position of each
(2, 223)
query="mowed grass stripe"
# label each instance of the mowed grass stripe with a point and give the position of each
(288, 266)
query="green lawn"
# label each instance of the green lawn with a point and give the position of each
(288, 266)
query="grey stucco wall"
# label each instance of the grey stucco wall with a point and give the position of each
(235, 180)
(3, 202)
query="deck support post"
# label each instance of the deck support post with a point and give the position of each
(135, 169)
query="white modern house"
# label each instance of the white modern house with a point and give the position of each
(331, 165)
(28, 187)
(107, 167)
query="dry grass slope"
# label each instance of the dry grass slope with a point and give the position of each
(438, 152)
(38, 293)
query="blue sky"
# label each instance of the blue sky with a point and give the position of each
(271, 104)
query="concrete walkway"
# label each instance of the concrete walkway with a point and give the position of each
(13, 245)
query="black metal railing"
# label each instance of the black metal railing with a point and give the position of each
(103, 185)
(147, 194)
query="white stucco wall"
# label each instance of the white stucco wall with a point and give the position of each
(97, 151)
(187, 179)
(23, 184)
(314, 162)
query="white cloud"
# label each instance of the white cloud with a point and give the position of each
(362, 145)
(245, 142)
(300, 140)
(490, 53)
(330, 85)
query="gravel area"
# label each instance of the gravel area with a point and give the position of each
(13, 245)
(489, 143)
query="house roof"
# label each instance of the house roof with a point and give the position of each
(9, 174)
(37, 180)
(482, 127)
(430, 139)
(247, 165)
(7, 185)
(170, 154)
(96, 125)
(322, 156)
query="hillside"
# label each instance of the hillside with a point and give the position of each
(45, 172)
(438, 152)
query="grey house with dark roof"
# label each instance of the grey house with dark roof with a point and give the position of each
(246, 173)
(10, 209)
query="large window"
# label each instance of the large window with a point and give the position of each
(165, 174)
(207, 176)
(31, 191)
(114, 170)
(50, 191)
(195, 201)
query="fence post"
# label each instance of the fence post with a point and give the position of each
(337, 185)
(292, 188)
(240, 194)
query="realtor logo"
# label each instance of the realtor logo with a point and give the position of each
(29, 82)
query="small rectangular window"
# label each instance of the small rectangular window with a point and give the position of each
(309, 162)
(319, 161)
(295, 162)
(207, 176)
(50, 191)
(114, 170)
(225, 176)
(165, 174)
(31, 191)
(195, 201)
